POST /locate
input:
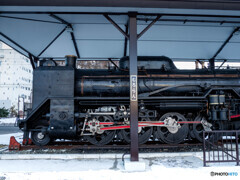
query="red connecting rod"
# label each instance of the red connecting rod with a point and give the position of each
(140, 124)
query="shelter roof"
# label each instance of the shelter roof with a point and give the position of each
(186, 29)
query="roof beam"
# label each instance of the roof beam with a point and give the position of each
(75, 44)
(59, 34)
(225, 42)
(115, 25)
(60, 19)
(28, 19)
(212, 60)
(150, 25)
(18, 45)
(110, 59)
(125, 41)
(72, 33)
(32, 61)
(175, 4)
(26, 55)
(185, 20)
(120, 13)
(222, 63)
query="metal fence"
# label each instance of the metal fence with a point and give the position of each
(221, 146)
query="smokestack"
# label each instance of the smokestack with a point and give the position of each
(70, 61)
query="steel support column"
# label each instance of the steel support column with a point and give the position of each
(133, 85)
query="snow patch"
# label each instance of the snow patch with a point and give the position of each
(135, 166)
(102, 169)
(182, 165)
(5, 138)
(7, 121)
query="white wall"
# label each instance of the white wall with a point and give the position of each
(5, 104)
(15, 76)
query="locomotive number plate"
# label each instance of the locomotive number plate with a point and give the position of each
(133, 88)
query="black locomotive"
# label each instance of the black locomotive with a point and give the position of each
(93, 105)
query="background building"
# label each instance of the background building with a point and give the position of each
(15, 78)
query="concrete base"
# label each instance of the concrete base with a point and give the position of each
(134, 166)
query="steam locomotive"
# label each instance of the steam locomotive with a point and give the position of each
(93, 105)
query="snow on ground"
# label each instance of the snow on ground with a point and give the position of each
(178, 167)
(5, 138)
(166, 166)
(5, 121)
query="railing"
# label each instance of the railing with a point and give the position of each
(221, 146)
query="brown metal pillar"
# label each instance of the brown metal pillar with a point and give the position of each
(133, 85)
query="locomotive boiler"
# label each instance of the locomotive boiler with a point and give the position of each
(92, 105)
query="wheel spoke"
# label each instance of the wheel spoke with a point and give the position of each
(39, 138)
(198, 129)
(171, 136)
(104, 138)
(143, 136)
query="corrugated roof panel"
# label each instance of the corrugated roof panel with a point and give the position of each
(101, 48)
(186, 33)
(97, 31)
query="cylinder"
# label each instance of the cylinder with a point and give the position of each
(223, 114)
(214, 114)
(221, 99)
(213, 100)
(70, 61)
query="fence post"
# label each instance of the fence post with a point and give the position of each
(204, 155)
(237, 150)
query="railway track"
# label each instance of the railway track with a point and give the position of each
(114, 147)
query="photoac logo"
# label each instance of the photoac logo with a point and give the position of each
(223, 173)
